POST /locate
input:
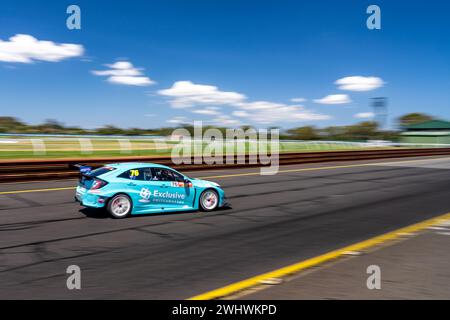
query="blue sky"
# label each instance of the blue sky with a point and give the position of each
(224, 62)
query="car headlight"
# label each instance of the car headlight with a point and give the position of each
(215, 184)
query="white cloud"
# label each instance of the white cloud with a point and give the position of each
(119, 69)
(226, 120)
(177, 120)
(364, 115)
(220, 120)
(123, 72)
(298, 100)
(259, 105)
(23, 48)
(266, 112)
(359, 83)
(241, 113)
(131, 81)
(334, 99)
(209, 111)
(187, 94)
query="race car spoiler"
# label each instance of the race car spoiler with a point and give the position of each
(84, 169)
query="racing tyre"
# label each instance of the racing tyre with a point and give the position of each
(119, 206)
(209, 200)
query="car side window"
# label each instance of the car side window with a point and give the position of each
(161, 174)
(133, 174)
(141, 174)
(178, 177)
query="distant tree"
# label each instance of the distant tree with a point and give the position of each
(304, 133)
(50, 126)
(413, 118)
(363, 131)
(75, 130)
(109, 129)
(11, 124)
(54, 124)
(333, 133)
(367, 130)
(246, 127)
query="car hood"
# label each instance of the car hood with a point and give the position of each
(204, 183)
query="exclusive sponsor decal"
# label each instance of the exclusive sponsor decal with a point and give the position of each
(145, 195)
(168, 195)
(157, 196)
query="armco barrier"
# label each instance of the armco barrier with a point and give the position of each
(30, 170)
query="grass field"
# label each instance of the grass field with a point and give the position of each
(48, 148)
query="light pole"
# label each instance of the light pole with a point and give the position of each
(379, 105)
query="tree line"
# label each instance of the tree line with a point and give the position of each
(366, 130)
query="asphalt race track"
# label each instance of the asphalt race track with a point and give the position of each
(274, 221)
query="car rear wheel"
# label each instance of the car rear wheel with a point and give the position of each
(209, 200)
(119, 206)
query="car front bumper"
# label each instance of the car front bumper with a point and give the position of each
(224, 201)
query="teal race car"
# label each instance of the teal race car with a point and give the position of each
(143, 188)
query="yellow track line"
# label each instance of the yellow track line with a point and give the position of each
(37, 190)
(297, 267)
(284, 171)
(321, 168)
(250, 174)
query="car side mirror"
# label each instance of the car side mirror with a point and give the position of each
(187, 183)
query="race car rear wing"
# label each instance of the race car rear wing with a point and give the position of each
(83, 169)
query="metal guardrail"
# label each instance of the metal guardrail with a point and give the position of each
(30, 170)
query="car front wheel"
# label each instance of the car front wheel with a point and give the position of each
(119, 206)
(209, 200)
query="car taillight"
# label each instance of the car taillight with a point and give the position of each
(98, 184)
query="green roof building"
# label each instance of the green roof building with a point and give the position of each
(428, 132)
